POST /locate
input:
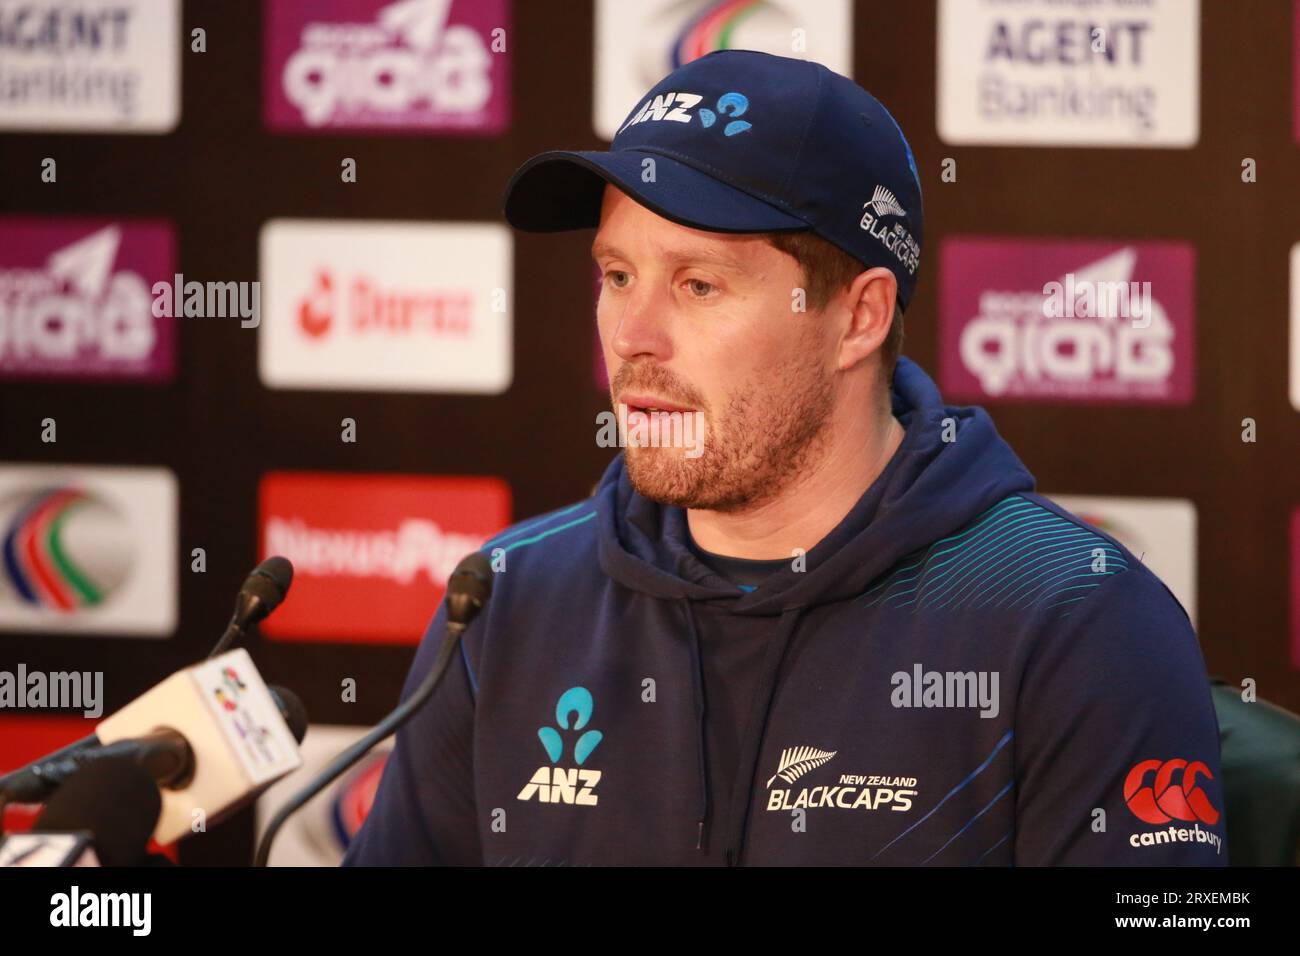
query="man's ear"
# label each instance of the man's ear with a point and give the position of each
(870, 299)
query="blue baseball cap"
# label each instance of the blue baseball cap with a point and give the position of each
(743, 141)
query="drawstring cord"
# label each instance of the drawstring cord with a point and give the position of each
(697, 685)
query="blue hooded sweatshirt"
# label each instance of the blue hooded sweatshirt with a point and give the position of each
(960, 673)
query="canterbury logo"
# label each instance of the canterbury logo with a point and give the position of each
(885, 203)
(797, 761)
(1163, 799)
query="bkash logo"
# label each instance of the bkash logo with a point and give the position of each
(65, 550)
(1163, 799)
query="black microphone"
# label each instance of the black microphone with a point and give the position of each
(261, 593)
(468, 590)
(291, 708)
(164, 755)
(112, 800)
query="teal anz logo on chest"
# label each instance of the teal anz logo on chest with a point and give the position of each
(556, 784)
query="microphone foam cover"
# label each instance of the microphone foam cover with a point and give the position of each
(469, 587)
(292, 709)
(279, 570)
(115, 800)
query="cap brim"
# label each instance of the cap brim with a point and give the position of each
(562, 189)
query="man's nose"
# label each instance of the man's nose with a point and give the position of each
(642, 328)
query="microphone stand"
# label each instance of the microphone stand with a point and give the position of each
(351, 755)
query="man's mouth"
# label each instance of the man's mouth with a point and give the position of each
(649, 405)
(651, 421)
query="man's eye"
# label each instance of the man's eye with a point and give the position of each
(617, 277)
(699, 287)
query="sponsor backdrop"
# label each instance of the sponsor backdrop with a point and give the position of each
(257, 296)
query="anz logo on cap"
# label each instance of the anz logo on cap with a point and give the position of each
(662, 107)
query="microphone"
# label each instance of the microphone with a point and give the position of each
(468, 590)
(164, 754)
(102, 815)
(215, 731)
(240, 741)
(261, 593)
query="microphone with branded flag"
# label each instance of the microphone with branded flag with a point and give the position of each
(468, 590)
(189, 752)
(200, 745)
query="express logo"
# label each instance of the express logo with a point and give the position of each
(662, 107)
(1164, 799)
(557, 784)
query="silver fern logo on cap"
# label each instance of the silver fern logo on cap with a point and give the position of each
(797, 761)
(885, 203)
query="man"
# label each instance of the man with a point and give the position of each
(847, 632)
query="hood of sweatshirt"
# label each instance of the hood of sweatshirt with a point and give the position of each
(950, 467)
